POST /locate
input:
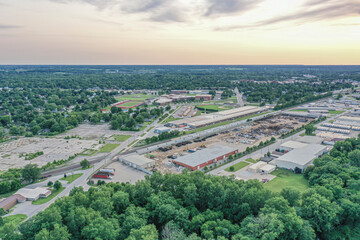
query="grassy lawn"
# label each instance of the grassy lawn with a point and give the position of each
(335, 112)
(298, 110)
(72, 178)
(170, 119)
(214, 107)
(135, 97)
(251, 160)
(17, 219)
(51, 196)
(285, 178)
(108, 147)
(237, 166)
(89, 152)
(121, 138)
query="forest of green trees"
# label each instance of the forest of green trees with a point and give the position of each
(200, 206)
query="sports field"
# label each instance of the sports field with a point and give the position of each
(134, 97)
(285, 178)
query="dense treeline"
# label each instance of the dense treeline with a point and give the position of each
(160, 77)
(200, 206)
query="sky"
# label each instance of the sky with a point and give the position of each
(121, 32)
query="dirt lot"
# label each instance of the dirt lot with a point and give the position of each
(53, 148)
(242, 137)
(93, 132)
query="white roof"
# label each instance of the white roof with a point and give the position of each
(267, 167)
(137, 159)
(303, 156)
(257, 165)
(163, 128)
(32, 193)
(293, 144)
(310, 139)
(204, 155)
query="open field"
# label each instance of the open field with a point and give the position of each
(108, 147)
(237, 166)
(72, 178)
(51, 196)
(135, 97)
(93, 132)
(335, 112)
(298, 110)
(285, 178)
(121, 138)
(213, 107)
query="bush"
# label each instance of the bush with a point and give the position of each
(50, 183)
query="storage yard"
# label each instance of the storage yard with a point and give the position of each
(212, 118)
(239, 138)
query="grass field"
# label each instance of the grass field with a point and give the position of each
(298, 110)
(214, 107)
(51, 196)
(108, 147)
(135, 97)
(72, 178)
(121, 138)
(251, 160)
(170, 119)
(131, 103)
(285, 178)
(17, 219)
(335, 112)
(237, 166)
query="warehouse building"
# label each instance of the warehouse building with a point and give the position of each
(33, 194)
(256, 166)
(11, 201)
(204, 97)
(291, 145)
(137, 161)
(204, 157)
(310, 139)
(300, 158)
(160, 130)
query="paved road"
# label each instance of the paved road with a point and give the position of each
(239, 97)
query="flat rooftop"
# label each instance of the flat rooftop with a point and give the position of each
(303, 156)
(137, 159)
(205, 155)
(293, 144)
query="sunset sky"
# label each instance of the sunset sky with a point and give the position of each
(180, 32)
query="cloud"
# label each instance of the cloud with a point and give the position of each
(3, 26)
(311, 11)
(218, 7)
(156, 10)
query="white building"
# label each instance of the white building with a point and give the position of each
(291, 145)
(301, 157)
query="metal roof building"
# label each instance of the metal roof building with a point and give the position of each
(205, 156)
(300, 158)
(137, 161)
(290, 145)
(32, 194)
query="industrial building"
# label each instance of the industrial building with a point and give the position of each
(204, 97)
(335, 130)
(256, 166)
(268, 168)
(11, 201)
(160, 130)
(216, 117)
(291, 145)
(300, 158)
(204, 157)
(310, 139)
(34, 194)
(301, 114)
(137, 161)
